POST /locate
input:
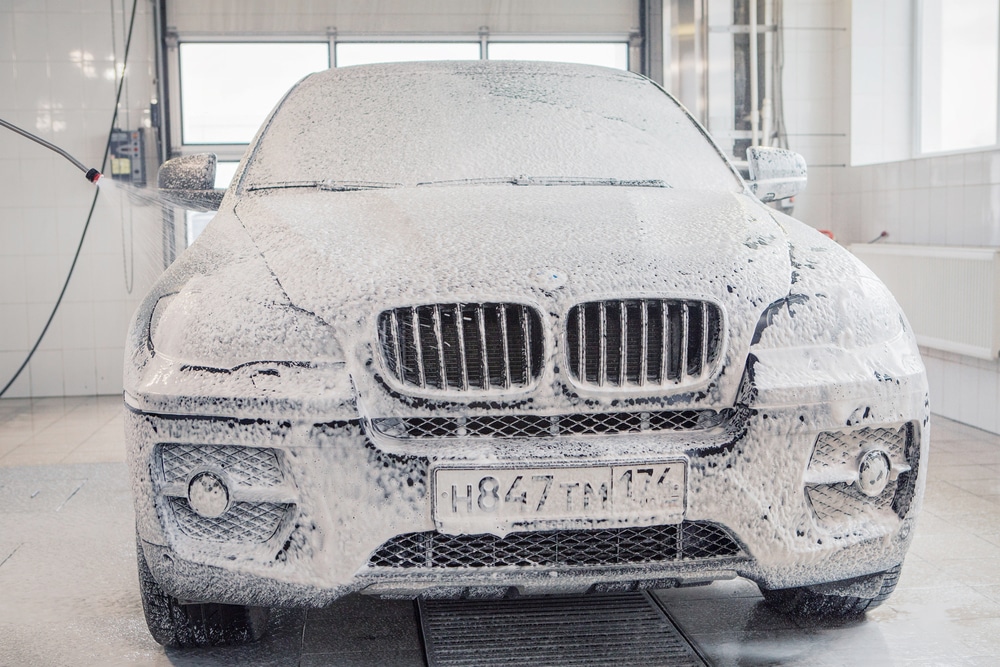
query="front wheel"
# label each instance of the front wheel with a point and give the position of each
(839, 600)
(201, 624)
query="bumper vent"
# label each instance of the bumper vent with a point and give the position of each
(243, 522)
(839, 448)
(838, 503)
(541, 426)
(462, 347)
(643, 342)
(248, 466)
(621, 546)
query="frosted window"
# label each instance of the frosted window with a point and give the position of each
(227, 89)
(958, 81)
(365, 53)
(613, 54)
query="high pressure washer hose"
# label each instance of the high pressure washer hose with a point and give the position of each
(92, 174)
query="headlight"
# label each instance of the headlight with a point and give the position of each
(847, 312)
(214, 328)
(834, 300)
(838, 339)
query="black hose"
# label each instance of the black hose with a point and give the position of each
(93, 203)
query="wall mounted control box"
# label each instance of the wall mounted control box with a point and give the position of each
(128, 157)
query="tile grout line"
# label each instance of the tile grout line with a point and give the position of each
(63, 503)
(11, 554)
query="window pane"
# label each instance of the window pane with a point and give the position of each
(224, 172)
(612, 54)
(196, 221)
(958, 80)
(228, 89)
(364, 53)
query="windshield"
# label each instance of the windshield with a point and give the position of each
(482, 123)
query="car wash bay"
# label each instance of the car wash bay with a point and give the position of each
(897, 174)
(70, 592)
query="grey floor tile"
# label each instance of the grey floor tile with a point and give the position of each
(733, 588)
(950, 473)
(724, 614)
(359, 624)
(961, 545)
(409, 658)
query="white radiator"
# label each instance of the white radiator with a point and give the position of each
(951, 295)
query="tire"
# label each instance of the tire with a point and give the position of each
(202, 624)
(824, 603)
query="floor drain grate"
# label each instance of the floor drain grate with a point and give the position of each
(618, 629)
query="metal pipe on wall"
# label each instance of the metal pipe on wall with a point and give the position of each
(754, 92)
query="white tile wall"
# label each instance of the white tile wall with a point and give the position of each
(964, 389)
(57, 64)
(946, 200)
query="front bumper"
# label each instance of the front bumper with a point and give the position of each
(321, 510)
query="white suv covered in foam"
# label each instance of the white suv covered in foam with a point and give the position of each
(510, 328)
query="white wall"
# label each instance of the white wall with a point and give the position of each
(816, 93)
(942, 200)
(57, 64)
(404, 17)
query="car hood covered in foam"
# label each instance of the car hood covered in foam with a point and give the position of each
(347, 256)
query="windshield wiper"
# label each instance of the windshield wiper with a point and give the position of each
(556, 180)
(330, 186)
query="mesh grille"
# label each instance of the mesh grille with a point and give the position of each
(836, 505)
(248, 466)
(839, 448)
(621, 546)
(841, 503)
(243, 522)
(643, 342)
(462, 346)
(539, 426)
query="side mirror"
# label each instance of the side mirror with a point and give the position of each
(189, 181)
(775, 173)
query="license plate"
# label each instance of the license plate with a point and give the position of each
(499, 500)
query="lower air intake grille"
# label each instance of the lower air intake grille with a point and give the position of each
(248, 466)
(463, 346)
(243, 522)
(643, 342)
(541, 426)
(621, 546)
(835, 448)
(838, 504)
(842, 503)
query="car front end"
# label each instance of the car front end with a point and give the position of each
(532, 336)
(557, 433)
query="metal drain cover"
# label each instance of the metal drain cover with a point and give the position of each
(606, 629)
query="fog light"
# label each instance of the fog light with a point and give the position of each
(873, 472)
(208, 495)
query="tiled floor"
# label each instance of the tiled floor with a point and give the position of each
(78, 429)
(69, 596)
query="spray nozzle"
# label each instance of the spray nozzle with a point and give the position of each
(93, 176)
